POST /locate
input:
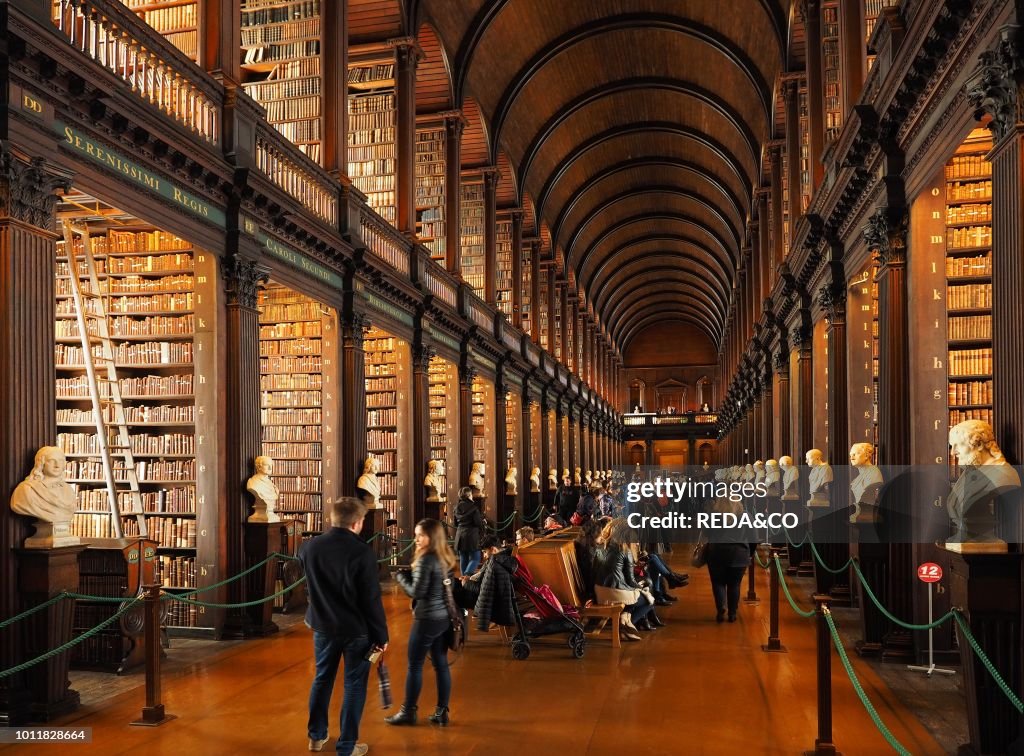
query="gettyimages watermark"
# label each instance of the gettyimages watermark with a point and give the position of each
(963, 509)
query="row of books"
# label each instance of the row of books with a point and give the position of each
(173, 532)
(175, 571)
(969, 296)
(959, 416)
(149, 353)
(146, 413)
(291, 364)
(382, 187)
(92, 470)
(149, 444)
(291, 433)
(381, 399)
(292, 502)
(365, 145)
(282, 451)
(295, 109)
(283, 51)
(970, 392)
(969, 266)
(290, 398)
(372, 167)
(375, 72)
(291, 329)
(368, 112)
(381, 440)
(283, 89)
(382, 417)
(298, 28)
(970, 361)
(291, 416)
(178, 262)
(293, 347)
(971, 190)
(969, 237)
(299, 131)
(969, 327)
(289, 381)
(181, 615)
(298, 483)
(287, 467)
(973, 213)
(379, 370)
(967, 166)
(100, 526)
(144, 386)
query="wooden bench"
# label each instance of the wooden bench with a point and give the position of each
(607, 613)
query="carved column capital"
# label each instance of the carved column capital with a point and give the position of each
(800, 336)
(407, 50)
(781, 362)
(832, 300)
(886, 234)
(422, 355)
(467, 374)
(242, 278)
(356, 327)
(454, 123)
(27, 189)
(993, 88)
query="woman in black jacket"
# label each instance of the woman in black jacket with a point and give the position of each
(432, 565)
(615, 581)
(470, 522)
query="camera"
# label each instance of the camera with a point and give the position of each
(374, 655)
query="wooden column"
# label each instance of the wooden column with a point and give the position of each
(572, 448)
(467, 373)
(815, 92)
(353, 395)
(491, 178)
(791, 95)
(527, 462)
(334, 59)
(243, 425)
(765, 262)
(785, 447)
(801, 340)
(517, 268)
(777, 252)
(407, 56)
(768, 418)
(561, 456)
(851, 50)
(454, 124)
(219, 51)
(421, 356)
(27, 382)
(535, 293)
(545, 448)
(497, 465)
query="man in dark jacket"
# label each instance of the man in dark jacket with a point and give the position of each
(347, 618)
(567, 498)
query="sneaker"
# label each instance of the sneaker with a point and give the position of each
(360, 749)
(317, 745)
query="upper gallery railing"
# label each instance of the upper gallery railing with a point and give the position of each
(122, 43)
(295, 173)
(383, 240)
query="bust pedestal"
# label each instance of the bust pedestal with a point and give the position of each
(435, 509)
(261, 540)
(508, 506)
(375, 522)
(989, 588)
(535, 505)
(873, 558)
(801, 563)
(42, 574)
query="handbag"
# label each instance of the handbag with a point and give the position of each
(700, 554)
(576, 520)
(455, 636)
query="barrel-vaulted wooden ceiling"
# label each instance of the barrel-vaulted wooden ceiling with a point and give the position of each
(634, 128)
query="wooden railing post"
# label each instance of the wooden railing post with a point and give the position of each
(823, 745)
(774, 643)
(153, 714)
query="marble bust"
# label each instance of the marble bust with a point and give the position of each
(790, 479)
(552, 479)
(758, 472)
(476, 479)
(773, 477)
(577, 477)
(976, 495)
(819, 479)
(46, 496)
(535, 480)
(749, 474)
(864, 489)
(511, 485)
(368, 487)
(264, 491)
(434, 481)
(588, 478)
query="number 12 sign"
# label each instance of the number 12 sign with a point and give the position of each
(929, 572)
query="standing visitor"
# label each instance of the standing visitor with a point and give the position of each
(347, 618)
(470, 522)
(432, 565)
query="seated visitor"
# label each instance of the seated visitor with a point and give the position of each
(586, 546)
(615, 582)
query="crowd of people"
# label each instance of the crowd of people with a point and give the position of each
(616, 565)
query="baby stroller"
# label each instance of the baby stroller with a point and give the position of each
(539, 613)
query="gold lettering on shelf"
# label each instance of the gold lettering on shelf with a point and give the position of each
(937, 239)
(936, 424)
(936, 394)
(936, 296)
(936, 363)
(31, 104)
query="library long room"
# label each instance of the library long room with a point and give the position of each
(660, 366)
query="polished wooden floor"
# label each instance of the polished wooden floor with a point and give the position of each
(694, 687)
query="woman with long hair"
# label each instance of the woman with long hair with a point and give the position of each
(432, 564)
(614, 580)
(470, 522)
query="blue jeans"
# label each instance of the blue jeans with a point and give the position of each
(640, 609)
(427, 636)
(656, 572)
(469, 561)
(328, 652)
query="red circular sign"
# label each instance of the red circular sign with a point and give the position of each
(929, 572)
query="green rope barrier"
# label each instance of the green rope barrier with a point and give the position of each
(195, 602)
(29, 612)
(987, 662)
(504, 524)
(762, 565)
(233, 578)
(71, 643)
(890, 738)
(889, 615)
(535, 517)
(802, 540)
(106, 599)
(785, 589)
(821, 562)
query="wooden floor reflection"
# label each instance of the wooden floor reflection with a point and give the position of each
(694, 687)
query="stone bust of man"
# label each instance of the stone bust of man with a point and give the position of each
(552, 479)
(535, 480)
(758, 472)
(476, 479)
(577, 477)
(511, 485)
(264, 491)
(819, 478)
(434, 481)
(45, 495)
(864, 489)
(368, 487)
(772, 477)
(985, 479)
(790, 478)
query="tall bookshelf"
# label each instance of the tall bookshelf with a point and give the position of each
(872, 10)
(805, 148)
(832, 73)
(281, 64)
(372, 147)
(535, 442)
(293, 381)
(154, 282)
(543, 316)
(430, 190)
(513, 440)
(176, 20)
(875, 350)
(569, 357)
(968, 178)
(483, 419)
(503, 269)
(526, 304)
(387, 412)
(786, 225)
(443, 388)
(471, 228)
(557, 327)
